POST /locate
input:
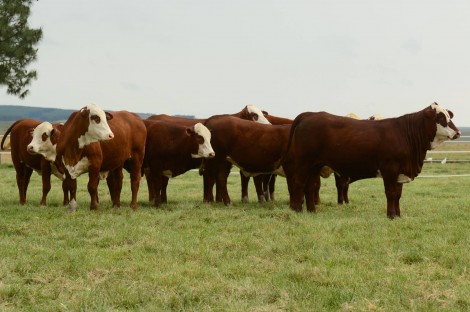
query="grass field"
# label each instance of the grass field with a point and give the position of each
(247, 257)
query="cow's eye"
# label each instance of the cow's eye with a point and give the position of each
(442, 120)
(96, 118)
(199, 139)
(44, 137)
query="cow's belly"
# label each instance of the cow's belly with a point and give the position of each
(252, 169)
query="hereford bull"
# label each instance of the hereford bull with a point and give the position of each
(172, 149)
(102, 144)
(392, 148)
(233, 142)
(24, 162)
(249, 112)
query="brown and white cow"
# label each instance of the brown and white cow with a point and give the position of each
(249, 112)
(392, 148)
(24, 162)
(87, 145)
(173, 149)
(254, 148)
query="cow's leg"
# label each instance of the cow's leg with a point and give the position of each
(339, 188)
(150, 186)
(259, 188)
(244, 183)
(118, 188)
(157, 182)
(296, 186)
(65, 190)
(311, 192)
(135, 175)
(272, 186)
(221, 183)
(345, 192)
(46, 180)
(20, 178)
(393, 191)
(23, 182)
(69, 186)
(93, 181)
(163, 193)
(208, 176)
(316, 184)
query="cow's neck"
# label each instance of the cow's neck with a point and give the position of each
(417, 140)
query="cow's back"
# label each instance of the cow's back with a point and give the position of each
(253, 146)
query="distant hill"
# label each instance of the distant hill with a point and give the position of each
(13, 113)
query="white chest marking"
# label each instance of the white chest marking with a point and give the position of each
(77, 169)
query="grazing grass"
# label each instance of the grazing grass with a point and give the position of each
(247, 257)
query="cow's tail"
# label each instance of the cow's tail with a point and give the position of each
(8, 132)
(293, 128)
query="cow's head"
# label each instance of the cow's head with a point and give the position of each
(203, 139)
(251, 112)
(98, 128)
(44, 140)
(445, 128)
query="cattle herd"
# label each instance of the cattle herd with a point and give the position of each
(262, 146)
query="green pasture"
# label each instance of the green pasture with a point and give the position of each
(190, 256)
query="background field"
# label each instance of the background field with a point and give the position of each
(247, 257)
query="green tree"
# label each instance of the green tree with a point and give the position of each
(17, 46)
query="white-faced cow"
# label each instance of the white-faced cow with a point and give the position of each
(173, 149)
(24, 162)
(392, 148)
(249, 112)
(102, 144)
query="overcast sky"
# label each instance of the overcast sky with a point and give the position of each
(210, 57)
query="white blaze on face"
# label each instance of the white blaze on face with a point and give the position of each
(443, 132)
(205, 149)
(41, 142)
(252, 109)
(98, 128)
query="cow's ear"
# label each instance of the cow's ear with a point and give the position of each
(430, 112)
(189, 131)
(85, 112)
(450, 114)
(109, 116)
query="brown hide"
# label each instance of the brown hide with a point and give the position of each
(25, 163)
(264, 183)
(254, 147)
(356, 149)
(126, 150)
(168, 148)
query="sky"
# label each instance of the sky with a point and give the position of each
(211, 57)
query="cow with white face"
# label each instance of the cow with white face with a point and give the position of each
(44, 141)
(204, 139)
(171, 150)
(446, 130)
(253, 113)
(98, 128)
